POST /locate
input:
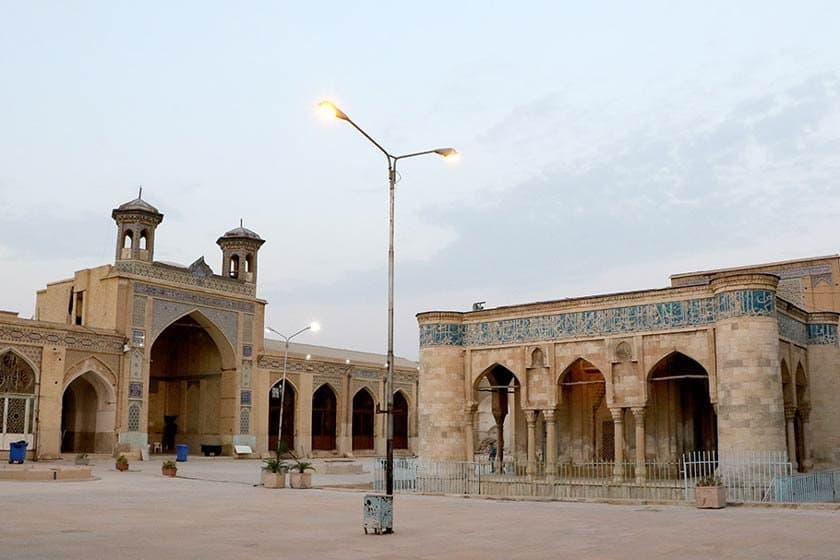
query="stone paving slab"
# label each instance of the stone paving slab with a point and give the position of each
(141, 514)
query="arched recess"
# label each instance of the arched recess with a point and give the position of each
(400, 415)
(364, 415)
(18, 382)
(585, 428)
(497, 389)
(185, 382)
(285, 400)
(324, 418)
(680, 415)
(88, 413)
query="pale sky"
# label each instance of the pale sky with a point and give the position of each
(605, 145)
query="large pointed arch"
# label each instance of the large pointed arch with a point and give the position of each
(401, 415)
(88, 407)
(680, 413)
(18, 388)
(223, 344)
(497, 391)
(585, 428)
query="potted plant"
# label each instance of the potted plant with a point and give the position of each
(274, 469)
(710, 492)
(82, 459)
(122, 463)
(169, 468)
(298, 477)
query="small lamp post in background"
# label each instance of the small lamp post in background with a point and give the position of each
(330, 110)
(314, 327)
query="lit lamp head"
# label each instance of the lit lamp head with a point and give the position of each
(315, 326)
(329, 111)
(449, 154)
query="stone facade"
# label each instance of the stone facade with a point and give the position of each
(719, 361)
(141, 353)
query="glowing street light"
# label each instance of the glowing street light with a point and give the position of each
(330, 110)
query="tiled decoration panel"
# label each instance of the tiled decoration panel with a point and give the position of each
(822, 334)
(603, 322)
(793, 329)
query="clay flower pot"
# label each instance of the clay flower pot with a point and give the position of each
(300, 480)
(710, 497)
(273, 480)
(121, 466)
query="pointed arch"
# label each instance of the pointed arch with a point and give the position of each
(223, 344)
(282, 405)
(88, 407)
(20, 356)
(788, 388)
(401, 417)
(680, 411)
(96, 366)
(585, 425)
(537, 358)
(324, 417)
(364, 415)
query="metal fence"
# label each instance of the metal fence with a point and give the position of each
(747, 475)
(822, 486)
(592, 480)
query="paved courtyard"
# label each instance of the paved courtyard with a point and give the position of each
(218, 512)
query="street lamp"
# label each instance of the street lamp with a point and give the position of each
(314, 327)
(330, 110)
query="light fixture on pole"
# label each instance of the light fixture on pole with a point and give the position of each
(329, 109)
(314, 327)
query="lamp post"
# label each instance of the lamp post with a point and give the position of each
(314, 327)
(329, 109)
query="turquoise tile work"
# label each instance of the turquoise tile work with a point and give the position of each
(822, 334)
(603, 322)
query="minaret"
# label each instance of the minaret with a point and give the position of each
(239, 253)
(136, 224)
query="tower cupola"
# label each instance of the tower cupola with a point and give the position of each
(136, 224)
(239, 253)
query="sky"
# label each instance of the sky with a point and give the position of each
(605, 146)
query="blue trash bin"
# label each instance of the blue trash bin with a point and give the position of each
(17, 451)
(181, 452)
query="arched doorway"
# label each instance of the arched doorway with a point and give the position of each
(682, 417)
(363, 420)
(87, 415)
(400, 417)
(185, 385)
(288, 403)
(323, 419)
(500, 387)
(586, 431)
(17, 399)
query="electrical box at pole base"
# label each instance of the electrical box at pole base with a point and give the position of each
(379, 514)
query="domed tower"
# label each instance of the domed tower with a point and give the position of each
(239, 254)
(136, 224)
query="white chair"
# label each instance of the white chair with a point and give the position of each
(157, 447)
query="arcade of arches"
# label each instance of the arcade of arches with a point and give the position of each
(720, 363)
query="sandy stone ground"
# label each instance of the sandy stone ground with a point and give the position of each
(215, 510)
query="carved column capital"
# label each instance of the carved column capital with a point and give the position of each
(550, 415)
(639, 412)
(790, 412)
(617, 415)
(471, 407)
(531, 416)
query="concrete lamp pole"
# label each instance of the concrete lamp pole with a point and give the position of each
(329, 109)
(314, 327)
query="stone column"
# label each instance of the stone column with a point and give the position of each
(550, 417)
(469, 436)
(805, 415)
(790, 415)
(531, 419)
(639, 417)
(618, 421)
